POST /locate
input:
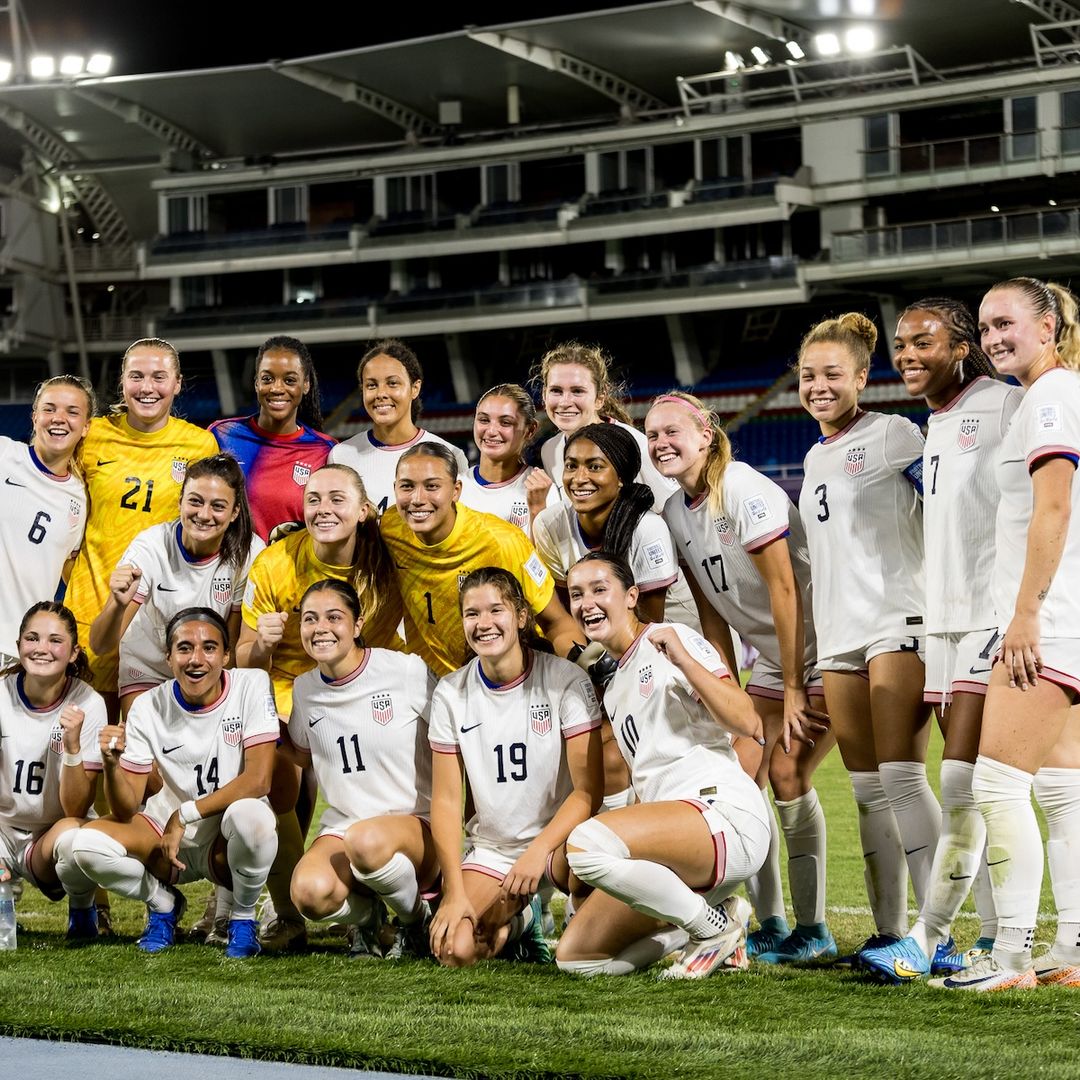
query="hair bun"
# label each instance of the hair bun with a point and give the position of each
(857, 323)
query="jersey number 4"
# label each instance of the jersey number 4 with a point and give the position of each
(130, 499)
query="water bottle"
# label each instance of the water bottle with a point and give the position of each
(7, 916)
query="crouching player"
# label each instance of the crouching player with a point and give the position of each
(664, 869)
(211, 733)
(360, 718)
(49, 761)
(523, 727)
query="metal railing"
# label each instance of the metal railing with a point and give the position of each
(946, 155)
(111, 328)
(95, 256)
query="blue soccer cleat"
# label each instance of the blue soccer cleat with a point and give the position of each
(800, 947)
(531, 947)
(899, 962)
(768, 937)
(243, 939)
(948, 960)
(82, 925)
(161, 926)
(874, 941)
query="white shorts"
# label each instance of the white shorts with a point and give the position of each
(196, 847)
(959, 664)
(335, 823)
(1061, 662)
(740, 844)
(767, 680)
(497, 864)
(16, 851)
(858, 661)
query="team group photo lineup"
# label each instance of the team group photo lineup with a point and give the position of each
(558, 696)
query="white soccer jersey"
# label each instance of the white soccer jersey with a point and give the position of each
(198, 750)
(41, 527)
(557, 537)
(171, 581)
(669, 739)
(1046, 424)
(368, 737)
(511, 743)
(551, 454)
(960, 499)
(507, 500)
(863, 520)
(717, 550)
(31, 749)
(376, 462)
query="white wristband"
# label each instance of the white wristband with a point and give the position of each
(189, 812)
(72, 759)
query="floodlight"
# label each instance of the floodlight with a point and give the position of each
(72, 64)
(795, 49)
(860, 39)
(759, 54)
(42, 67)
(827, 44)
(99, 64)
(5, 70)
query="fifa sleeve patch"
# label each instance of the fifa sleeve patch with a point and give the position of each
(654, 553)
(589, 694)
(913, 473)
(270, 707)
(536, 569)
(1048, 417)
(703, 651)
(757, 508)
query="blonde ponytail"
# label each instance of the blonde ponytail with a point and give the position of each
(853, 330)
(719, 454)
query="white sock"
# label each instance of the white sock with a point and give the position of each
(250, 830)
(1014, 855)
(884, 868)
(765, 889)
(803, 822)
(918, 816)
(395, 881)
(79, 888)
(957, 859)
(358, 910)
(105, 862)
(1058, 793)
(640, 954)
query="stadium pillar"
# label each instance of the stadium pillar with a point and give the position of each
(689, 365)
(890, 307)
(226, 393)
(462, 372)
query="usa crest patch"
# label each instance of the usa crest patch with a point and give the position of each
(519, 514)
(179, 470)
(233, 729)
(382, 708)
(74, 512)
(645, 681)
(221, 590)
(540, 718)
(724, 531)
(855, 461)
(967, 433)
(56, 739)
(300, 473)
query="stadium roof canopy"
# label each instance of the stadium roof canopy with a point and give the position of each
(574, 70)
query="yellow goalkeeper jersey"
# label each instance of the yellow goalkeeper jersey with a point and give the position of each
(133, 479)
(431, 576)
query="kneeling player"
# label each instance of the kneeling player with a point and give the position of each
(211, 733)
(523, 727)
(361, 720)
(699, 828)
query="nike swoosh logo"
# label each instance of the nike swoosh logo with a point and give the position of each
(998, 863)
(958, 877)
(111, 461)
(8, 480)
(312, 723)
(165, 588)
(170, 749)
(690, 541)
(470, 727)
(915, 850)
(979, 671)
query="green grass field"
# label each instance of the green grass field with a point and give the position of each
(505, 1020)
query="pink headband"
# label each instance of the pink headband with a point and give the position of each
(682, 401)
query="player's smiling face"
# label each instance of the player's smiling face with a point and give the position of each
(388, 391)
(1018, 342)
(61, 418)
(333, 506)
(328, 630)
(150, 383)
(280, 386)
(829, 384)
(196, 658)
(570, 397)
(601, 604)
(426, 495)
(926, 358)
(490, 622)
(207, 508)
(677, 445)
(589, 477)
(500, 429)
(46, 647)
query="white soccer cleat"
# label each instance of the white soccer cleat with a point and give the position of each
(986, 975)
(719, 954)
(1053, 972)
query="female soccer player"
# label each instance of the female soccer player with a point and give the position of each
(510, 722)
(43, 514)
(211, 733)
(1030, 732)
(435, 542)
(341, 540)
(390, 378)
(698, 829)
(281, 445)
(861, 507)
(200, 560)
(937, 353)
(133, 463)
(503, 484)
(578, 390)
(608, 509)
(744, 545)
(361, 719)
(49, 724)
